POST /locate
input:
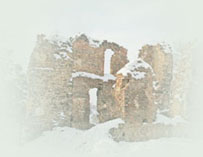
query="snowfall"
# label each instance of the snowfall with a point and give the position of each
(97, 142)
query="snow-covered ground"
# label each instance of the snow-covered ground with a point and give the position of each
(96, 142)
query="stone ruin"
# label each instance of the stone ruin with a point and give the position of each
(81, 82)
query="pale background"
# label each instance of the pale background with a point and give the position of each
(130, 23)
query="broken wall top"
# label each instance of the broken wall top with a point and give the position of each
(81, 53)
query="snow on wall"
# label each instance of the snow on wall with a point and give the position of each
(132, 68)
(93, 119)
(61, 55)
(64, 55)
(43, 68)
(107, 61)
(57, 56)
(105, 78)
(92, 42)
(166, 47)
(63, 43)
(155, 85)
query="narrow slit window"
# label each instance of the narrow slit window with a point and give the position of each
(107, 61)
(93, 117)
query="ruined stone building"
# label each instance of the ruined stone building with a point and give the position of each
(81, 82)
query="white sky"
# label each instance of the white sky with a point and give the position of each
(130, 23)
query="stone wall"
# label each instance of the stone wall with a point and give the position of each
(58, 91)
(161, 61)
(61, 74)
